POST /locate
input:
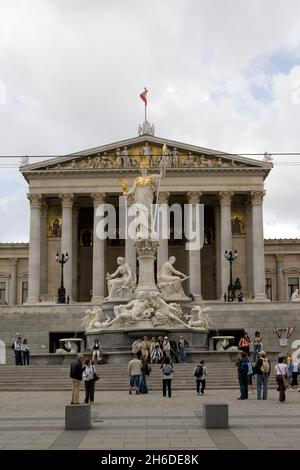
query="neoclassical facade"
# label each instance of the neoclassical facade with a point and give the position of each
(65, 193)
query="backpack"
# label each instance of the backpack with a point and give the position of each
(198, 372)
(265, 367)
(167, 369)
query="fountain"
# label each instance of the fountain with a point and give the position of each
(134, 309)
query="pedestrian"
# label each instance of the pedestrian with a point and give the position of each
(134, 370)
(166, 375)
(89, 381)
(281, 372)
(156, 355)
(245, 343)
(145, 372)
(250, 376)
(18, 351)
(76, 371)
(262, 370)
(96, 351)
(174, 350)
(242, 367)
(153, 343)
(295, 373)
(145, 347)
(257, 345)
(200, 372)
(25, 352)
(289, 362)
(166, 348)
(183, 345)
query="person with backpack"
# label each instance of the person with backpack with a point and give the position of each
(166, 375)
(200, 372)
(242, 367)
(262, 370)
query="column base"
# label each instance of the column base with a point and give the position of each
(32, 301)
(97, 299)
(260, 298)
(197, 298)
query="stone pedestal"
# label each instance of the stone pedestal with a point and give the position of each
(146, 250)
(77, 417)
(215, 416)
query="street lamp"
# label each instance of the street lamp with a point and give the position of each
(231, 256)
(61, 259)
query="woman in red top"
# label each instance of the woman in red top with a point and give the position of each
(244, 344)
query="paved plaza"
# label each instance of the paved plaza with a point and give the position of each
(120, 421)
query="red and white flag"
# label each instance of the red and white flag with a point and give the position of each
(143, 96)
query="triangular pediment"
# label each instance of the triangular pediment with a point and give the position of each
(124, 156)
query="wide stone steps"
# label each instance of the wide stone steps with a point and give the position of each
(114, 378)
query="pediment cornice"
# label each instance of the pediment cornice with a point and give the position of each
(110, 158)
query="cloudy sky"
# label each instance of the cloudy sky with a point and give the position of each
(223, 74)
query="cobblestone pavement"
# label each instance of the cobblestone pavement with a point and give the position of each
(121, 421)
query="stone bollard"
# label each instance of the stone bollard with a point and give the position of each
(215, 416)
(77, 417)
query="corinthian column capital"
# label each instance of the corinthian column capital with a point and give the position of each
(257, 197)
(163, 197)
(225, 197)
(66, 199)
(194, 197)
(35, 200)
(98, 199)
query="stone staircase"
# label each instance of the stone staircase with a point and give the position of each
(221, 376)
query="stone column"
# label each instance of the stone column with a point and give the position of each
(249, 247)
(218, 251)
(44, 230)
(34, 262)
(258, 251)
(130, 251)
(279, 276)
(163, 247)
(146, 250)
(66, 240)
(75, 251)
(98, 253)
(194, 255)
(13, 282)
(226, 237)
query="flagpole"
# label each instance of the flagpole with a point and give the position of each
(145, 112)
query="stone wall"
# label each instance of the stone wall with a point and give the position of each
(35, 322)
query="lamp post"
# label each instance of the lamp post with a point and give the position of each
(61, 293)
(231, 256)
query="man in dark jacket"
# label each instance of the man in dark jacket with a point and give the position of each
(76, 375)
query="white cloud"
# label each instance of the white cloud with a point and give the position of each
(73, 71)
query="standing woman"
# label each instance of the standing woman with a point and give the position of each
(257, 345)
(281, 371)
(89, 381)
(96, 350)
(25, 352)
(244, 344)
